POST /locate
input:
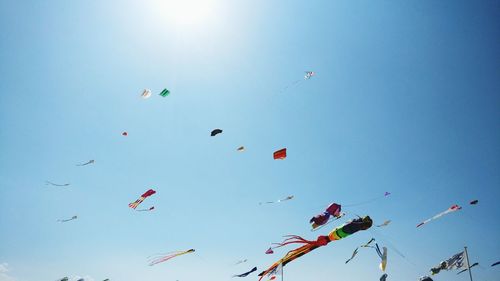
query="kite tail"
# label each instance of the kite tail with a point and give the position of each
(293, 239)
(136, 203)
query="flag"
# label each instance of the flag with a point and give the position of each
(455, 262)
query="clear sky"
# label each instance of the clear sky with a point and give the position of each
(406, 99)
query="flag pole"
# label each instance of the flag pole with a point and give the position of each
(468, 264)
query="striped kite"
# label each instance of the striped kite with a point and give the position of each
(155, 259)
(450, 210)
(142, 198)
(165, 93)
(308, 246)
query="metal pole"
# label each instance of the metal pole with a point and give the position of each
(468, 264)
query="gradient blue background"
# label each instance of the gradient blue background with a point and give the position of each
(406, 100)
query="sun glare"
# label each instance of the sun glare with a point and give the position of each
(188, 12)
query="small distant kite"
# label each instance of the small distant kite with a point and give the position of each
(280, 154)
(241, 261)
(56, 184)
(146, 94)
(124, 134)
(269, 251)
(165, 93)
(309, 74)
(368, 201)
(278, 201)
(63, 279)
(70, 219)
(246, 273)
(332, 211)
(385, 223)
(383, 277)
(142, 198)
(165, 257)
(215, 132)
(240, 149)
(426, 278)
(146, 210)
(474, 202)
(383, 257)
(86, 163)
(453, 208)
(495, 264)
(366, 245)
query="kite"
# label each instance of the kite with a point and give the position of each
(63, 279)
(383, 257)
(309, 74)
(165, 93)
(323, 218)
(146, 210)
(474, 264)
(308, 246)
(146, 94)
(240, 261)
(240, 149)
(215, 132)
(70, 219)
(280, 154)
(426, 278)
(278, 201)
(497, 263)
(124, 134)
(269, 251)
(383, 277)
(366, 245)
(353, 255)
(451, 209)
(455, 262)
(246, 273)
(56, 184)
(165, 257)
(474, 202)
(86, 163)
(142, 198)
(386, 223)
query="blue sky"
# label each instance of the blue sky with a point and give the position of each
(405, 100)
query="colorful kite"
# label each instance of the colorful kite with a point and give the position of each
(156, 259)
(386, 223)
(86, 163)
(146, 94)
(246, 273)
(280, 154)
(215, 132)
(56, 184)
(474, 202)
(336, 234)
(165, 93)
(278, 201)
(453, 208)
(70, 219)
(142, 198)
(333, 210)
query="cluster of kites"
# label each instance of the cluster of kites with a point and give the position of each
(331, 214)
